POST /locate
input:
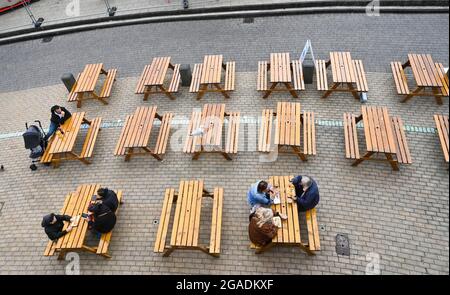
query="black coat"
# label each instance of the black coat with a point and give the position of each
(110, 199)
(59, 121)
(54, 231)
(104, 218)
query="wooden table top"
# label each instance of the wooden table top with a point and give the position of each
(141, 126)
(212, 69)
(212, 120)
(63, 143)
(289, 233)
(186, 224)
(378, 130)
(157, 71)
(280, 67)
(424, 70)
(342, 67)
(288, 125)
(88, 78)
(75, 204)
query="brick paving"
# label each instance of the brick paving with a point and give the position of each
(402, 216)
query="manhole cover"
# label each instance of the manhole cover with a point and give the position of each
(248, 20)
(47, 39)
(155, 221)
(342, 245)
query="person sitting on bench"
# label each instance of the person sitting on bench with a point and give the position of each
(53, 225)
(306, 192)
(59, 115)
(101, 219)
(261, 229)
(108, 198)
(259, 195)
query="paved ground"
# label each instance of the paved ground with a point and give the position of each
(402, 216)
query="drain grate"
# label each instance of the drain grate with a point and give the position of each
(322, 227)
(249, 20)
(155, 221)
(47, 39)
(1, 206)
(342, 245)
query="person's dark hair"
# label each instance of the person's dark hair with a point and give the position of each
(101, 192)
(47, 220)
(262, 186)
(54, 108)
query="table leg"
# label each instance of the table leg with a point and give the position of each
(262, 249)
(61, 255)
(196, 155)
(306, 249)
(268, 92)
(79, 99)
(394, 163)
(202, 91)
(166, 92)
(147, 92)
(299, 153)
(99, 98)
(224, 93)
(290, 89)
(128, 155)
(103, 72)
(406, 64)
(360, 160)
(79, 158)
(226, 156)
(437, 95)
(415, 92)
(168, 251)
(353, 90)
(328, 92)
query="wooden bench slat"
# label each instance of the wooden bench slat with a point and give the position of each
(321, 75)
(443, 77)
(351, 137)
(297, 70)
(216, 224)
(230, 72)
(360, 76)
(231, 145)
(313, 230)
(120, 147)
(262, 76)
(72, 94)
(196, 75)
(443, 133)
(108, 84)
(163, 135)
(91, 138)
(176, 78)
(403, 154)
(309, 133)
(265, 131)
(140, 87)
(401, 83)
(192, 141)
(105, 239)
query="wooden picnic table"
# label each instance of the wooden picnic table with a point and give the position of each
(383, 135)
(153, 76)
(428, 75)
(61, 145)
(84, 87)
(211, 121)
(135, 136)
(282, 72)
(289, 233)
(207, 77)
(186, 222)
(75, 204)
(348, 75)
(295, 131)
(442, 129)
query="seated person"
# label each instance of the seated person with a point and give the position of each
(101, 219)
(108, 198)
(53, 225)
(59, 115)
(261, 229)
(259, 195)
(306, 192)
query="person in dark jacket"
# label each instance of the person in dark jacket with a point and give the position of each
(59, 115)
(53, 225)
(102, 219)
(306, 192)
(108, 198)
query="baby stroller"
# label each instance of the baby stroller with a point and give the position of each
(34, 138)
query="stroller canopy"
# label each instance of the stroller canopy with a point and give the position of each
(32, 137)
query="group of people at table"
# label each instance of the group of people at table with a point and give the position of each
(262, 228)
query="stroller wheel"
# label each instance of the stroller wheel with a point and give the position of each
(33, 167)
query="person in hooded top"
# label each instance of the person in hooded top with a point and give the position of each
(59, 115)
(108, 198)
(306, 192)
(101, 219)
(53, 225)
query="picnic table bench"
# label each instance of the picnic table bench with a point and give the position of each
(348, 75)
(207, 77)
(282, 72)
(153, 76)
(211, 120)
(289, 233)
(294, 130)
(135, 136)
(84, 87)
(186, 223)
(75, 204)
(61, 145)
(384, 135)
(442, 129)
(427, 75)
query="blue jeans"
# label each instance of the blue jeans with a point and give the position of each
(51, 130)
